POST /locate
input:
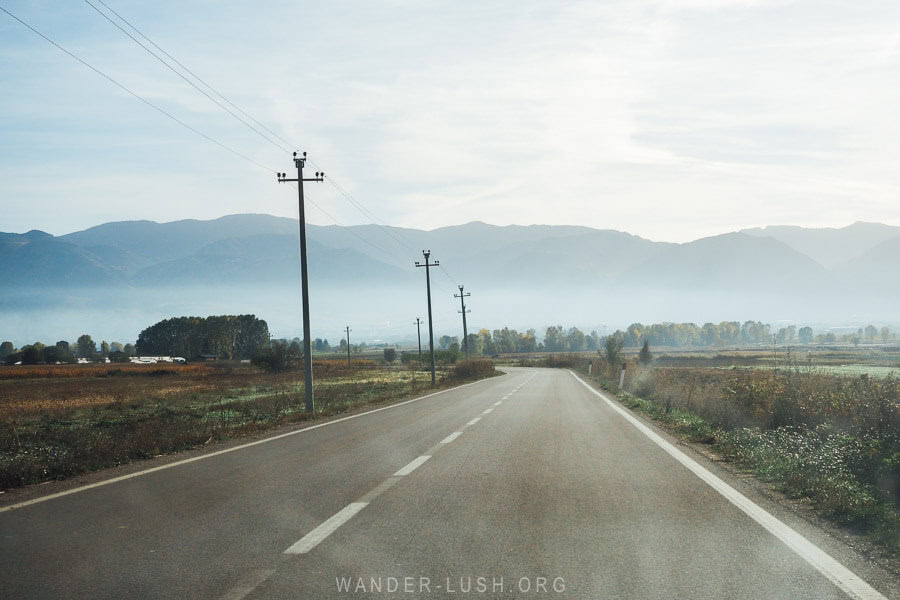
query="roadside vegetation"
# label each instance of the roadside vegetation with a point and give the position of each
(823, 438)
(830, 440)
(57, 421)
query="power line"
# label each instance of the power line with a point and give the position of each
(367, 213)
(194, 75)
(139, 97)
(180, 122)
(395, 237)
(342, 226)
(191, 83)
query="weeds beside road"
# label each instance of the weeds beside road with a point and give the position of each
(831, 440)
(80, 421)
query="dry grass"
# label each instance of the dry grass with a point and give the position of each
(53, 428)
(95, 370)
(830, 439)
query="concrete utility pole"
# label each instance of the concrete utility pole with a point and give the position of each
(462, 301)
(307, 352)
(348, 344)
(428, 265)
(419, 331)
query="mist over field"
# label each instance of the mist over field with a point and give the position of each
(115, 279)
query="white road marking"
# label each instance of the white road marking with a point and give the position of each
(247, 584)
(451, 437)
(412, 466)
(315, 537)
(225, 451)
(498, 402)
(473, 421)
(487, 411)
(841, 576)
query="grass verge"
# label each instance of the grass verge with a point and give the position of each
(848, 473)
(48, 431)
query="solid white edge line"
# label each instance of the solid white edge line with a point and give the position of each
(314, 537)
(224, 451)
(451, 437)
(412, 466)
(473, 421)
(848, 581)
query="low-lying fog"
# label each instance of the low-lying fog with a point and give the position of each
(388, 313)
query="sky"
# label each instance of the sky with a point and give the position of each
(672, 120)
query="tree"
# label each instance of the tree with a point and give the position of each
(644, 355)
(63, 345)
(30, 355)
(279, 356)
(613, 350)
(116, 347)
(885, 336)
(86, 346)
(117, 356)
(390, 355)
(576, 341)
(104, 348)
(555, 339)
(235, 337)
(527, 341)
(806, 335)
(128, 349)
(6, 348)
(56, 354)
(871, 333)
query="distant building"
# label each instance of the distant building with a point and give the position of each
(152, 360)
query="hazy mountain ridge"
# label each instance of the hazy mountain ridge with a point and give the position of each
(255, 247)
(124, 276)
(830, 247)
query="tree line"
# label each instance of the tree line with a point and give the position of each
(557, 338)
(64, 352)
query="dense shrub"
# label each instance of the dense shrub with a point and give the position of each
(472, 368)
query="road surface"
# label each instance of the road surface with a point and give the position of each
(527, 485)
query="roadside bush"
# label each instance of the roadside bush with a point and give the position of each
(278, 357)
(472, 368)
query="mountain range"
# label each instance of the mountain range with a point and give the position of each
(586, 275)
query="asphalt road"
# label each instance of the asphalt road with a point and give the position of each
(533, 487)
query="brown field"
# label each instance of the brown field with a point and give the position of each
(98, 370)
(79, 418)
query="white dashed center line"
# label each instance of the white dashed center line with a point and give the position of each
(312, 539)
(412, 466)
(451, 437)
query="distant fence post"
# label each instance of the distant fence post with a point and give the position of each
(622, 376)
